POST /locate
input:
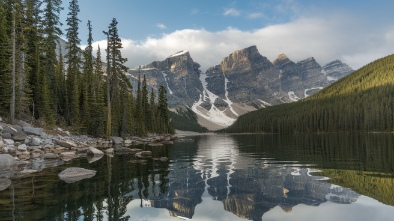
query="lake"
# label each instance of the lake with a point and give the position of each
(222, 177)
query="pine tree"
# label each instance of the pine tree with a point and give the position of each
(116, 78)
(152, 111)
(98, 106)
(162, 111)
(5, 53)
(51, 31)
(146, 106)
(74, 63)
(139, 111)
(87, 84)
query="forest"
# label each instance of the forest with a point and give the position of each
(77, 91)
(360, 102)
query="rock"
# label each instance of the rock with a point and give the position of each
(117, 140)
(22, 147)
(124, 150)
(81, 149)
(8, 165)
(1, 143)
(66, 144)
(109, 151)
(28, 171)
(1, 128)
(34, 155)
(9, 149)
(6, 135)
(33, 131)
(50, 156)
(163, 159)
(94, 151)
(8, 142)
(144, 154)
(35, 141)
(11, 129)
(184, 140)
(19, 136)
(128, 142)
(67, 156)
(25, 155)
(155, 144)
(4, 183)
(74, 174)
(94, 158)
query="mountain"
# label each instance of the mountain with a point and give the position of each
(242, 82)
(361, 101)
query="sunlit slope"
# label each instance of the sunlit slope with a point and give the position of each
(362, 101)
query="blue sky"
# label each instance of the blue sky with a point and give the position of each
(355, 32)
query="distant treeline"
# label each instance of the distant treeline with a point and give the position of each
(38, 84)
(361, 102)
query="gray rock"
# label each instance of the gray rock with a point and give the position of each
(66, 144)
(67, 156)
(4, 183)
(1, 128)
(33, 131)
(74, 174)
(35, 141)
(50, 156)
(19, 136)
(94, 158)
(117, 140)
(28, 171)
(94, 151)
(9, 149)
(8, 165)
(155, 144)
(22, 147)
(1, 143)
(109, 151)
(81, 149)
(8, 142)
(6, 135)
(11, 129)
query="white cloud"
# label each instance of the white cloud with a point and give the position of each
(255, 15)
(231, 12)
(324, 39)
(161, 26)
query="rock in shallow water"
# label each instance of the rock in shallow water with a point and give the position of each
(74, 174)
(4, 183)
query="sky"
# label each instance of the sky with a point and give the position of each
(356, 32)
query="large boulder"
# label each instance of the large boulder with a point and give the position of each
(33, 131)
(4, 183)
(19, 136)
(117, 140)
(8, 165)
(67, 156)
(65, 143)
(94, 151)
(74, 174)
(11, 129)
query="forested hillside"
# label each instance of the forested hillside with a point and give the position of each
(362, 101)
(38, 85)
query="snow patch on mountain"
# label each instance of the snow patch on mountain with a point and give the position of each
(178, 53)
(264, 104)
(292, 96)
(165, 79)
(314, 88)
(227, 100)
(213, 114)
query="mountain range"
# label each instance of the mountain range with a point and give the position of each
(242, 82)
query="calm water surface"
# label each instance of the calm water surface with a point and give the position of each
(222, 177)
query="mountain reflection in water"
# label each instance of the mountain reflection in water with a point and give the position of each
(221, 177)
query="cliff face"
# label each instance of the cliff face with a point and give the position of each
(243, 81)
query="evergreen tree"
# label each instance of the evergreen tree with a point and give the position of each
(98, 106)
(152, 111)
(145, 106)
(116, 78)
(87, 96)
(139, 111)
(51, 31)
(5, 53)
(162, 111)
(74, 63)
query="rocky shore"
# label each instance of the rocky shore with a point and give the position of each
(25, 149)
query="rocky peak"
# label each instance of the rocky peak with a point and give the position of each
(282, 58)
(244, 60)
(309, 63)
(336, 70)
